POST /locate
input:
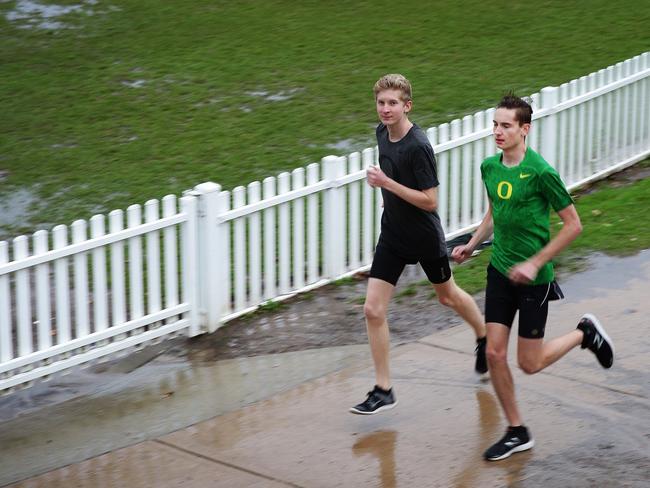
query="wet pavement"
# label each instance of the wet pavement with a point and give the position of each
(176, 417)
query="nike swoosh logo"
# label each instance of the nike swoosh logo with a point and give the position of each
(522, 175)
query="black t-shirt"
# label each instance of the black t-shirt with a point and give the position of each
(410, 231)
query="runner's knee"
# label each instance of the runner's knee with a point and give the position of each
(529, 366)
(452, 298)
(447, 300)
(495, 356)
(374, 313)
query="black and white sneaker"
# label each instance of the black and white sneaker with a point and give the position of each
(480, 366)
(378, 400)
(516, 439)
(596, 340)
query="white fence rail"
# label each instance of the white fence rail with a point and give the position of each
(224, 253)
(71, 302)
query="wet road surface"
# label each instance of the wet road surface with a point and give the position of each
(281, 420)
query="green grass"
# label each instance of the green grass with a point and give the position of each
(407, 291)
(615, 219)
(471, 274)
(271, 306)
(147, 98)
(348, 280)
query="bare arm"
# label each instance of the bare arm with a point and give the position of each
(527, 271)
(484, 230)
(424, 199)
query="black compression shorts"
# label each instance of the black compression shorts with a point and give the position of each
(503, 298)
(388, 266)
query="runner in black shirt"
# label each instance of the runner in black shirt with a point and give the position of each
(410, 233)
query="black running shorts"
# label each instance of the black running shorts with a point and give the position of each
(503, 298)
(388, 266)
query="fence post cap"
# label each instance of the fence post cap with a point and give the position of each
(207, 187)
(330, 159)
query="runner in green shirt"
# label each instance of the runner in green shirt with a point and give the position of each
(520, 198)
(522, 188)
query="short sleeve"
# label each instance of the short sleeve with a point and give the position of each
(553, 187)
(483, 169)
(424, 167)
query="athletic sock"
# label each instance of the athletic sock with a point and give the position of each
(588, 332)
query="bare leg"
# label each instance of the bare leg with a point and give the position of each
(534, 355)
(497, 356)
(453, 296)
(378, 296)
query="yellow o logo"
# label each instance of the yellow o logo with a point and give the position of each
(508, 192)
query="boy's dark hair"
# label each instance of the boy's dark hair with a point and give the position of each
(523, 110)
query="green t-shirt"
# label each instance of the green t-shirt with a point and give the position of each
(521, 198)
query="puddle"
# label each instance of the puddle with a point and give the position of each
(345, 145)
(280, 96)
(28, 14)
(134, 84)
(17, 205)
(64, 145)
(605, 273)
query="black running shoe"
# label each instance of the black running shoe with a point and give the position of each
(481, 366)
(597, 340)
(516, 439)
(377, 401)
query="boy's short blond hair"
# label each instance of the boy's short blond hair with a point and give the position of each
(394, 81)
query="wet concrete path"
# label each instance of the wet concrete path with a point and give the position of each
(281, 420)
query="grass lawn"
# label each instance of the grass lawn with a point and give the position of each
(115, 102)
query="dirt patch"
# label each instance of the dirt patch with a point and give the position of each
(329, 316)
(636, 172)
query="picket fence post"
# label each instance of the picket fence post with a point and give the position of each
(333, 218)
(190, 264)
(548, 146)
(213, 255)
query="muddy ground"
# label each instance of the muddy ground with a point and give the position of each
(329, 316)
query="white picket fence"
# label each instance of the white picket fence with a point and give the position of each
(214, 255)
